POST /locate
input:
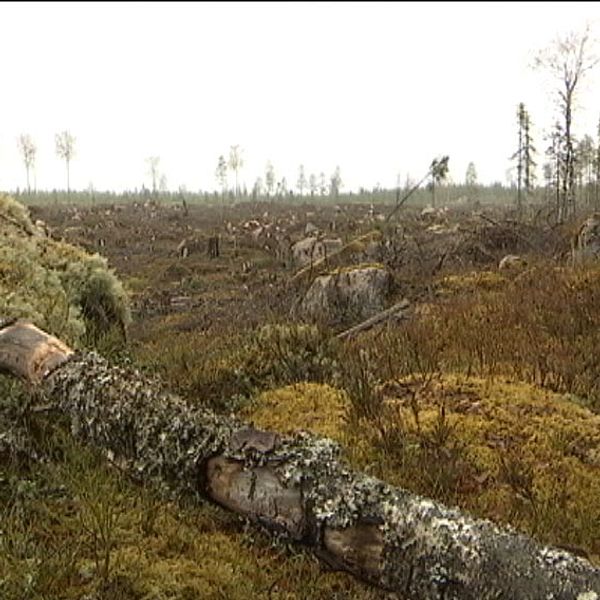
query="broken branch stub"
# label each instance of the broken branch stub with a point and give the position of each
(296, 486)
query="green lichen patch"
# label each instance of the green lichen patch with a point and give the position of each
(156, 433)
(59, 287)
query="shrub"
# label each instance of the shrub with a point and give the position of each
(61, 288)
(223, 371)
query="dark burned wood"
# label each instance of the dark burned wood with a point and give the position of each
(213, 247)
(295, 486)
(29, 353)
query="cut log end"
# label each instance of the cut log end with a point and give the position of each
(27, 352)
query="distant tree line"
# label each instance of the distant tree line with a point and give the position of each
(270, 186)
(571, 169)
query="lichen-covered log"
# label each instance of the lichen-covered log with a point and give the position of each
(295, 486)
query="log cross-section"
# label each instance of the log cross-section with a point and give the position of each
(295, 486)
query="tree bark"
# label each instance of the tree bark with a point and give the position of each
(296, 486)
(213, 247)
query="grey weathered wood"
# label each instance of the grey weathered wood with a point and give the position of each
(398, 311)
(295, 485)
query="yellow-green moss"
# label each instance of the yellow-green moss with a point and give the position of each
(317, 408)
(475, 280)
(360, 243)
(351, 268)
(512, 452)
(160, 550)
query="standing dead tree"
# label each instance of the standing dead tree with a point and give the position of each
(568, 60)
(295, 486)
(213, 246)
(28, 152)
(65, 149)
(524, 156)
(153, 166)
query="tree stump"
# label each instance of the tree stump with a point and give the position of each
(213, 246)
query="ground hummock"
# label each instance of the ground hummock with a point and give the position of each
(58, 286)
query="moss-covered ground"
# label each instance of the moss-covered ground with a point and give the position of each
(488, 399)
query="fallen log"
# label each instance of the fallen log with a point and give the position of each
(398, 312)
(296, 486)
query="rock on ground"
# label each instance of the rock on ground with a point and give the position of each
(311, 249)
(511, 261)
(347, 294)
(587, 243)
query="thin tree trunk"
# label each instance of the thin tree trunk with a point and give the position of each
(295, 486)
(569, 176)
(560, 202)
(520, 166)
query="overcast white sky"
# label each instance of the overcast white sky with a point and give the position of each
(376, 88)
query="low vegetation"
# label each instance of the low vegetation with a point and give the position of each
(70, 293)
(487, 398)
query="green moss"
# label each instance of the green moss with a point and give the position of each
(510, 452)
(359, 244)
(474, 280)
(313, 407)
(160, 549)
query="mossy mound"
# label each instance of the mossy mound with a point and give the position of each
(314, 407)
(511, 452)
(357, 267)
(59, 287)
